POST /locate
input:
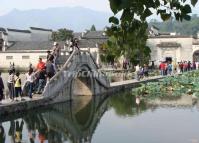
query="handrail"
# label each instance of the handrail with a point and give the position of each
(65, 65)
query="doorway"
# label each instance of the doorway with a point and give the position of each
(168, 59)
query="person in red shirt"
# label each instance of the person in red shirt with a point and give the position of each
(41, 65)
(162, 68)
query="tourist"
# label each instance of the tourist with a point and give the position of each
(141, 72)
(11, 131)
(169, 68)
(56, 52)
(146, 70)
(18, 132)
(181, 66)
(194, 65)
(49, 56)
(1, 88)
(137, 70)
(42, 79)
(18, 89)
(2, 134)
(50, 69)
(71, 49)
(12, 67)
(189, 66)
(30, 77)
(40, 65)
(162, 68)
(125, 64)
(10, 85)
(185, 65)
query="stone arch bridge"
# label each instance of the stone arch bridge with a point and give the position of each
(79, 75)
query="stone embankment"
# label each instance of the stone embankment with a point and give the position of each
(7, 107)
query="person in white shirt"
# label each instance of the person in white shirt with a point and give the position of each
(30, 77)
(137, 70)
(10, 84)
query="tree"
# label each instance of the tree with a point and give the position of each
(93, 28)
(132, 22)
(62, 35)
(185, 27)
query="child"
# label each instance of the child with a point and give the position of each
(18, 90)
(1, 88)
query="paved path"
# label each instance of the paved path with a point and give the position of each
(115, 86)
(133, 81)
(7, 102)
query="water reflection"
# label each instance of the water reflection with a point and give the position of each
(72, 122)
(125, 105)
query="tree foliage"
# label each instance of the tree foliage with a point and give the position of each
(129, 30)
(62, 35)
(93, 28)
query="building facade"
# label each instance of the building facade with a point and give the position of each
(24, 47)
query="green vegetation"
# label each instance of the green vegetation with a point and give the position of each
(62, 35)
(185, 84)
(185, 27)
(125, 105)
(128, 33)
(93, 28)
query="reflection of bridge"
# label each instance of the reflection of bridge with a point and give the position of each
(78, 76)
(76, 125)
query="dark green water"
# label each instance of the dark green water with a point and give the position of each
(115, 119)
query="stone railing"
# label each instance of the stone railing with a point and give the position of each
(62, 79)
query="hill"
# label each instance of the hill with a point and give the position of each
(76, 18)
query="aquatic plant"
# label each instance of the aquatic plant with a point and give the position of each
(184, 84)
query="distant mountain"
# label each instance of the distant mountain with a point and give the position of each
(77, 18)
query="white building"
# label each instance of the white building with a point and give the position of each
(173, 47)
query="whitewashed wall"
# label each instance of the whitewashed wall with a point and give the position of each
(185, 52)
(21, 60)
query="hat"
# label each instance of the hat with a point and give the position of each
(55, 43)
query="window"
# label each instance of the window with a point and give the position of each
(9, 57)
(25, 57)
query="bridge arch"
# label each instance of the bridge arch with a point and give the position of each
(79, 75)
(83, 82)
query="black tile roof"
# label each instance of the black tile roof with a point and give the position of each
(41, 29)
(18, 30)
(77, 34)
(95, 35)
(85, 43)
(31, 45)
(2, 29)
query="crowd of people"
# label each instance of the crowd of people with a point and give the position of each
(169, 68)
(36, 78)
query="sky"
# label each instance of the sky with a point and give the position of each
(8, 5)
(98, 5)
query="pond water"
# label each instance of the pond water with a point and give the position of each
(104, 119)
